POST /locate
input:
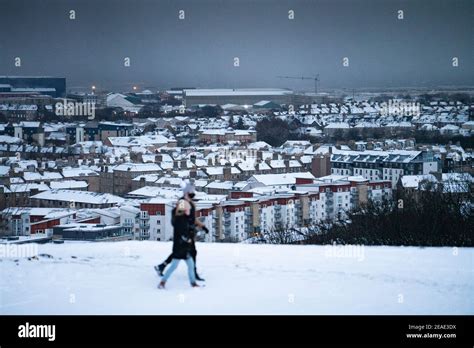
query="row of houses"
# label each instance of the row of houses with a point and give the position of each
(383, 165)
(262, 204)
(234, 217)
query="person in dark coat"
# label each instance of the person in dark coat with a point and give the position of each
(182, 243)
(188, 195)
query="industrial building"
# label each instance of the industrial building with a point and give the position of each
(44, 85)
(239, 96)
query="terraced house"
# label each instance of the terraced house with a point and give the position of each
(383, 165)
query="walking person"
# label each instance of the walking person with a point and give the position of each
(188, 195)
(182, 244)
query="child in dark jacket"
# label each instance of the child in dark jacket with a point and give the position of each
(182, 243)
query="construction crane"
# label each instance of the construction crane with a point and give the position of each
(315, 78)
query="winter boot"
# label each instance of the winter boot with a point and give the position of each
(161, 285)
(197, 275)
(160, 268)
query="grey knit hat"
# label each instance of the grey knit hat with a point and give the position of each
(188, 187)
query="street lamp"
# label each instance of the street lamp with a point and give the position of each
(93, 89)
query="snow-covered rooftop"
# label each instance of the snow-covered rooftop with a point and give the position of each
(237, 92)
(79, 197)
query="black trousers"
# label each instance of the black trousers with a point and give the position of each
(193, 255)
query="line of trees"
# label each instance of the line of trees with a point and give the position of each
(427, 217)
(273, 131)
(428, 137)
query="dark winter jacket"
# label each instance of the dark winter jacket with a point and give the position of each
(183, 238)
(191, 218)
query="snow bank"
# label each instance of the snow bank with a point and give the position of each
(118, 278)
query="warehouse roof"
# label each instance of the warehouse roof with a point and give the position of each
(236, 92)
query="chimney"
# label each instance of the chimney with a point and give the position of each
(227, 172)
(209, 162)
(193, 158)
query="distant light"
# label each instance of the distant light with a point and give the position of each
(134, 88)
(93, 87)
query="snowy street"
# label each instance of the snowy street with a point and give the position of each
(118, 278)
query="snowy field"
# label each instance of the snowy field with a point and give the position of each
(118, 278)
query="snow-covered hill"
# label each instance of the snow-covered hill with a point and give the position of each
(118, 278)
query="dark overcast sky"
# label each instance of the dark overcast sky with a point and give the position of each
(199, 51)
